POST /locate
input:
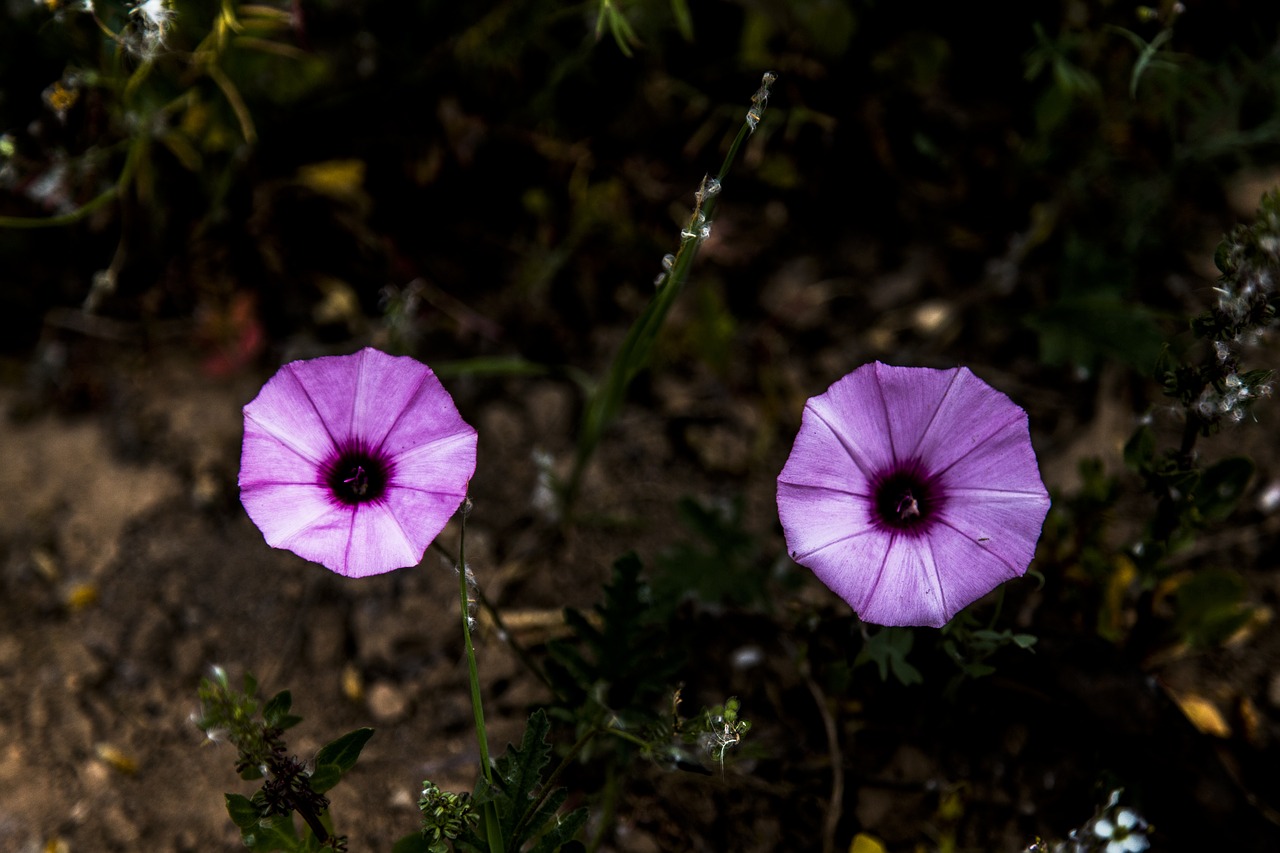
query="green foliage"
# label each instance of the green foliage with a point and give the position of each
(970, 646)
(527, 808)
(335, 759)
(888, 649)
(1210, 607)
(721, 729)
(721, 565)
(619, 665)
(256, 730)
(1094, 319)
(445, 817)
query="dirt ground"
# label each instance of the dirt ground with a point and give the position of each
(129, 569)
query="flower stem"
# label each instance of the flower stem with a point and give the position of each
(605, 400)
(492, 831)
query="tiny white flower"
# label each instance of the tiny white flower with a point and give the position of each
(1123, 835)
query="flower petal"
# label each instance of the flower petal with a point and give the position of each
(851, 412)
(356, 541)
(887, 578)
(909, 589)
(821, 458)
(283, 510)
(969, 569)
(909, 400)
(443, 466)
(429, 418)
(966, 414)
(814, 518)
(1004, 526)
(285, 411)
(266, 459)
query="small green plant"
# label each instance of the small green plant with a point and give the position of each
(290, 786)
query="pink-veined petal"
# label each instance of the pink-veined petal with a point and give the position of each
(908, 589)
(399, 403)
(966, 414)
(908, 404)
(1003, 462)
(849, 411)
(283, 510)
(285, 411)
(887, 579)
(430, 418)
(819, 458)
(377, 541)
(444, 466)
(1004, 525)
(814, 518)
(972, 567)
(265, 459)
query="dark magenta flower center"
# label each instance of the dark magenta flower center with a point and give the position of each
(357, 476)
(905, 499)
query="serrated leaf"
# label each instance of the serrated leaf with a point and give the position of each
(561, 835)
(514, 793)
(244, 813)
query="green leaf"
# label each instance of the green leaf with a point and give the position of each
(1211, 607)
(335, 759)
(684, 20)
(1221, 487)
(888, 649)
(244, 813)
(524, 812)
(277, 708)
(344, 751)
(561, 835)
(1140, 449)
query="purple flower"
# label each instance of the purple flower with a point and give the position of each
(912, 492)
(356, 461)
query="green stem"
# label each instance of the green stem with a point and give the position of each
(606, 399)
(492, 830)
(609, 799)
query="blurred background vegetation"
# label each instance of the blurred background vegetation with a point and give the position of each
(1056, 173)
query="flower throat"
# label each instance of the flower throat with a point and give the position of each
(357, 477)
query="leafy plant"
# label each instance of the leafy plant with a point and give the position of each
(257, 731)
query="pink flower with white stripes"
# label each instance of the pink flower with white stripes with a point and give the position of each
(912, 492)
(356, 462)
